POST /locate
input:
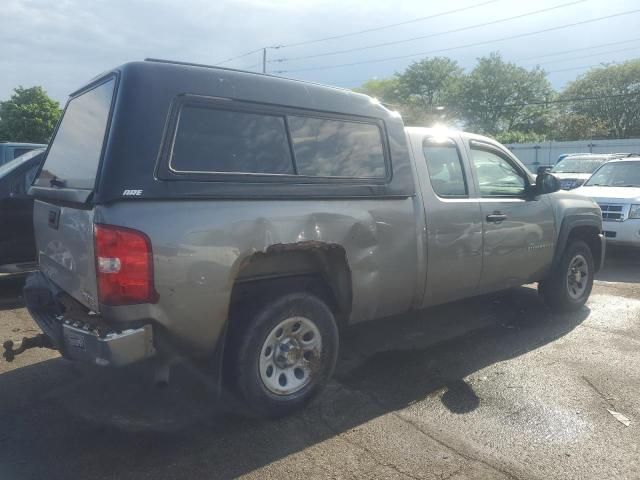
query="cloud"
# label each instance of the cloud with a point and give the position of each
(60, 44)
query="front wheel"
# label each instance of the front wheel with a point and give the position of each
(285, 354)
(569, 285)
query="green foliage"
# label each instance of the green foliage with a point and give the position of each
(385, 90)
(577, 126)
(28, 116)
(515, 136)
(499, 96)
(619, 115)
(514, 104)
(428, 90)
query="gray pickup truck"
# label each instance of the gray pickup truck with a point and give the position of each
(244, 219)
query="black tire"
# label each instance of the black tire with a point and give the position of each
(557, 291)
(248, 346)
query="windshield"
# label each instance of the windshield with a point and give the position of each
(72, 161)
(578, 165)
(16, 162)
(617, 174)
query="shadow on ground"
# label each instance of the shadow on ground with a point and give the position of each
(60, 421)
(622, 264)
(11, 293)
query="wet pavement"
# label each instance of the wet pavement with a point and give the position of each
(493, 387)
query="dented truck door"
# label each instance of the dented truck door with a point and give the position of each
(453, 218)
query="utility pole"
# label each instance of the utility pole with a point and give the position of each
(264, 60)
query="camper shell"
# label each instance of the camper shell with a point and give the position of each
(146, 103)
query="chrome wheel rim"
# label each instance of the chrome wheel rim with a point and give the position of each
(577, 277)
(289, 355)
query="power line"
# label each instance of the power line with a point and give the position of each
(390, 25)
(590, 55)
(583, 67)
(374, 29)
(431, 35)
(543, 64)
(240, 56)
(572, 100)
(468, 45)
(255, 65)
(249, 67)
(577, 49)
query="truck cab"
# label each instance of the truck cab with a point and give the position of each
(487, 227)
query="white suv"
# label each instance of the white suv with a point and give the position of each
(615, 186)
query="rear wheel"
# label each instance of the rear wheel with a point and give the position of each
(569, 285)
(285, 353)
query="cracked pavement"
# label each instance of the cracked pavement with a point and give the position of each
(494, 387)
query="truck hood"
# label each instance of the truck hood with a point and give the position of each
(611, 194)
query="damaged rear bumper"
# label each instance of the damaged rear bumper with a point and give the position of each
(115, 349)
(84, 339)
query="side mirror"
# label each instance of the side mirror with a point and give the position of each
(547, 183)
(542, 170)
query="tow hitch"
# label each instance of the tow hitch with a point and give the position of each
(39, 341)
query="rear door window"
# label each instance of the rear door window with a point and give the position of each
(335, 148)
(445, 167)
(212, 140)
(72, 161)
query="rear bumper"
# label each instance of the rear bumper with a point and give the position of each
(115, 349)
(84, 339)
(623, 233)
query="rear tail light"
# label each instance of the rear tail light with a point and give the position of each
(124, 266)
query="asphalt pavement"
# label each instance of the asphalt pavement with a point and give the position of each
(492, 387)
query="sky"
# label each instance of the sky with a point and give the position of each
(61, 44)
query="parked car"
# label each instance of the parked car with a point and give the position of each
(11, 150)
(616, 188)
(244, 218)
(17, 245)
(573, 170)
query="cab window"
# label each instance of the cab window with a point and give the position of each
(444, 166)
(497, 176)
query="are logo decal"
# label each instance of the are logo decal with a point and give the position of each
(132, 193)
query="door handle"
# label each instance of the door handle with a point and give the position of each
(496, 217)
(53, 218)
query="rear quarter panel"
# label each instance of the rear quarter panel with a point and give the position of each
(199, 246)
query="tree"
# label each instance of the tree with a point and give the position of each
(577, 126)
(611, 96)
(28, 116)
(497, 96)
(385, 90)
(514, 136)
(428, 87)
